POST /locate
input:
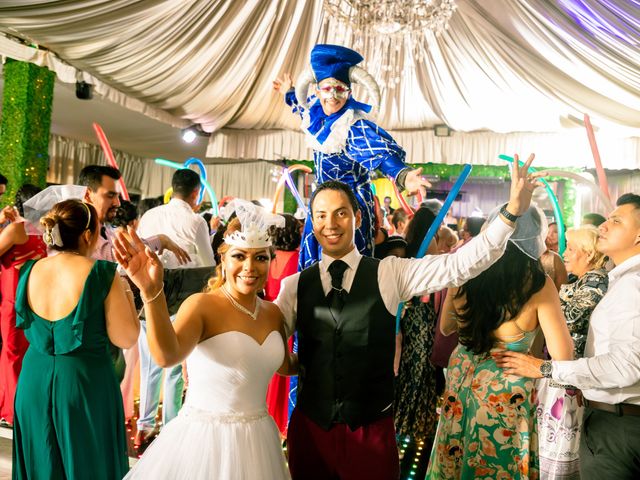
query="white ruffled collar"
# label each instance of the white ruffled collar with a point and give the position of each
(337, 139)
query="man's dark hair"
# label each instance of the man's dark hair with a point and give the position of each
(125, 214)
(3, 180)
(386, 198)
(629, 199)
(399, 215)
(184, 182)
(24, 193)
(340, 187)
(474, 225)
(593, 219)
(148, 203)
(91, 175)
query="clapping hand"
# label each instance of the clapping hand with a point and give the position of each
(283, 85)
(142, 265)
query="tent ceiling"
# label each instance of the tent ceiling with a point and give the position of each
(126, 130)
(503, 65)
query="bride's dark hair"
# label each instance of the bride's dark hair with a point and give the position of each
(496, 296)
(217, 280)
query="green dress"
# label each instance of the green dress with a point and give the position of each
(69, 420)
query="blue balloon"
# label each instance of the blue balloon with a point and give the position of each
(436, 225)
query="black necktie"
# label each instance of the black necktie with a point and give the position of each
(103, 232)
(337, 294)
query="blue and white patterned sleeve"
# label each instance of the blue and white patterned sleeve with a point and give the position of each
(291, 100)
(373, 148)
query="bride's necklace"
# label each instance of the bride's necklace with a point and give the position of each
(237, 305)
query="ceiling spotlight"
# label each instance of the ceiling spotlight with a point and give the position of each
(189, 134)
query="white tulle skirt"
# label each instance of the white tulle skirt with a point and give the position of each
(200, 445)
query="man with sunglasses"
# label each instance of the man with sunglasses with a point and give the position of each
(347, 144)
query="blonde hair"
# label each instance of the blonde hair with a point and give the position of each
(218, 280)
(585, 238)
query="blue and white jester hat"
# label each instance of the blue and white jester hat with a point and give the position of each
(341, 63)
(333, 61)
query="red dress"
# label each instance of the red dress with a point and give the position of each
(278, 390)
(14, 344)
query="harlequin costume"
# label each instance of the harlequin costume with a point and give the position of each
(347, 145)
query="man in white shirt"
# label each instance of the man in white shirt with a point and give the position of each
(343, 309)
(609, 373)
(190, 231)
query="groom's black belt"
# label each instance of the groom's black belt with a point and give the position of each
(619, 409)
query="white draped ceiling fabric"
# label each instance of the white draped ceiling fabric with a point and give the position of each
(503, 66)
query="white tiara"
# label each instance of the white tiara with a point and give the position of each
(255, 222)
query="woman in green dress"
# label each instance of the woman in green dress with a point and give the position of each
(487, 426)
(69, 421)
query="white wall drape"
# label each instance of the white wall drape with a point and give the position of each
(67, 157)
(566, 149)
(251, 180)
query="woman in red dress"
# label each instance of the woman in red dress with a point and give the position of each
(19, 242)
(286, 242)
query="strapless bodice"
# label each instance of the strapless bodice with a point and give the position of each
(229, 372)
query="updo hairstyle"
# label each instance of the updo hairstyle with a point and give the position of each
(73, 218)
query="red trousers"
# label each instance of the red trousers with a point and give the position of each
(369, 452)
(14, 346)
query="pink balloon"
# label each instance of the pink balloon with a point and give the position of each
(602, 177)
(111, 160)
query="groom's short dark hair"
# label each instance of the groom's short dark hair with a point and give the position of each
(338, 186)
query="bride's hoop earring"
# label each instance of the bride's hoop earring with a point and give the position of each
(224, 275)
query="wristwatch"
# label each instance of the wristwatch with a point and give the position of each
(508, 215)
(546, 368)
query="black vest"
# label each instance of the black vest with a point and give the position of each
(346, 364)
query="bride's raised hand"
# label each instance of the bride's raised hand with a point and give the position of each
(142, 265)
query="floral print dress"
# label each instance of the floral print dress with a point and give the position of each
(487, 427)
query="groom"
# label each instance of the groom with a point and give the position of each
(344, 311)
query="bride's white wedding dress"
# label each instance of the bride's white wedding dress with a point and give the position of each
(223, 430)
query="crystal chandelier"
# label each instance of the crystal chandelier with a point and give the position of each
(391, 17)
(393, 35)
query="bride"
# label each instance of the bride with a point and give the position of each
(233, 342)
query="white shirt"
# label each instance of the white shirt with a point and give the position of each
(610, 369)
(403, 278)
(189, 230)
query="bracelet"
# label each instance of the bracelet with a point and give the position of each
(401, 177)
(155, 297)
(508, 215)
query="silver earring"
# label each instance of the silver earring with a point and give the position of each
(224, 275)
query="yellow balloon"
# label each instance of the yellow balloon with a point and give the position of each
(167, 195)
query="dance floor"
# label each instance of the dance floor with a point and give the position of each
(6, 435)
(413, 463)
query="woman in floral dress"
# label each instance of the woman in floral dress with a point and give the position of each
(487, 427)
